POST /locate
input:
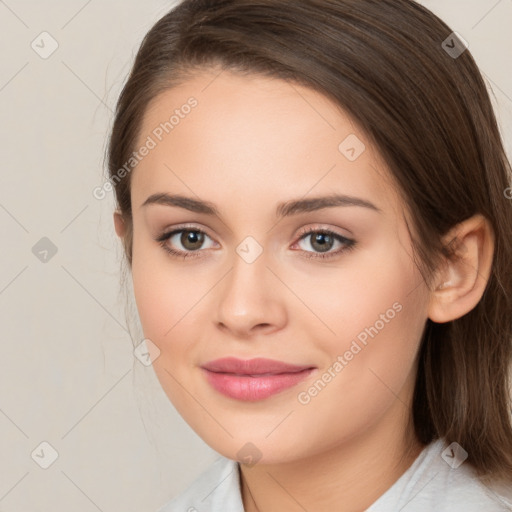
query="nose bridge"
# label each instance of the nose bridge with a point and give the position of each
(248, 279)
(248, 296)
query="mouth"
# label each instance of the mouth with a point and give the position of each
(254, 379)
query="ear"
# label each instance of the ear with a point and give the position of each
(461, 279)
(119, 224)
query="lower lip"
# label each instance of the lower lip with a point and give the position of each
(254, 388)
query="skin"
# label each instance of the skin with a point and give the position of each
(250, 144)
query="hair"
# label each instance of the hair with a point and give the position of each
(428, 113)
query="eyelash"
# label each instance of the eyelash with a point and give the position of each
(349, 244)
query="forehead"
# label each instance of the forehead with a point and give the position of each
(221, 134)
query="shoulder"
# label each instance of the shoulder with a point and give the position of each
(439, 480)
(217, 489)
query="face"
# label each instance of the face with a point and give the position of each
(264, 269)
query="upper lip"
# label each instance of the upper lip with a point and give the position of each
(256, 366)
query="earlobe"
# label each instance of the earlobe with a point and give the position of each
(119, 224)
(462, 278)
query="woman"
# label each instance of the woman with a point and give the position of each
(312, 201)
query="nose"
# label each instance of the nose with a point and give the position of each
(251, 299)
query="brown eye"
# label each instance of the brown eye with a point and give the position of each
(321, 242)
(192, 240)
(185, 243)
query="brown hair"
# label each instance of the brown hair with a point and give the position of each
(428, 112)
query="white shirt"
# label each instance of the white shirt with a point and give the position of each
(431, 484)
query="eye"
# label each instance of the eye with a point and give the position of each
(323, 240)
(191, 240)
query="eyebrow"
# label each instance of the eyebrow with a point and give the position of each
(285, 209)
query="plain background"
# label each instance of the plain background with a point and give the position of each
(68, 376)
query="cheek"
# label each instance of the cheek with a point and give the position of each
(163, 293)
(170, 304)
(369, 370)
(165, 308)
(373, 317)
(164, 304)
(379, 320)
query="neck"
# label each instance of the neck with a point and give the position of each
(348, 477)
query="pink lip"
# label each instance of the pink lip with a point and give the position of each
(254, 379)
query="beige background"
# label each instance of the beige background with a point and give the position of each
(68, 376)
